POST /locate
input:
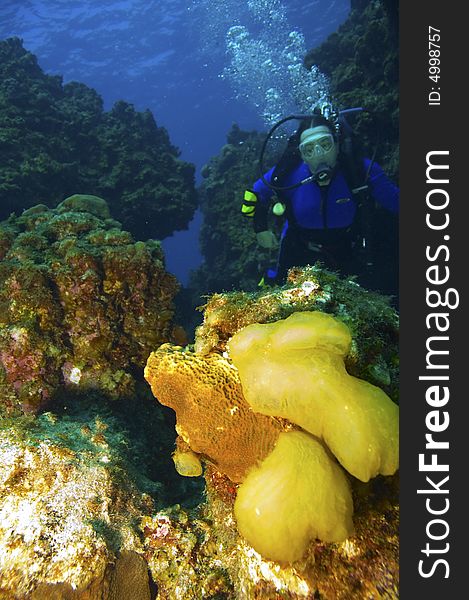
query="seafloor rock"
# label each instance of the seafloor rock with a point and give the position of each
(202, 555)
(76, 523)
(364, 567)
(68, 512)
(365, 564)
(57, 139)
(81, 303)
(186, 557)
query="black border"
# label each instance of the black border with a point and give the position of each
(425, 128)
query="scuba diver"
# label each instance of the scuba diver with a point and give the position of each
(325, 193)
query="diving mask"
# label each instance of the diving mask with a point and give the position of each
(319, 150)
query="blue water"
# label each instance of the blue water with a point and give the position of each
(171, 56)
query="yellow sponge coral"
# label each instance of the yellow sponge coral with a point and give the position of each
(276, 423)
(296, 494)
(294, 369)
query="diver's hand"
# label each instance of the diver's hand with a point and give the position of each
(267, 239)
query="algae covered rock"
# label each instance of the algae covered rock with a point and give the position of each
(57, 139)
(81, 303)
(185, 556)
(76, 523)
(373, 322)
(63, 532)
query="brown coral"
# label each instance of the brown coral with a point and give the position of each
(233, 437)
(81, 303)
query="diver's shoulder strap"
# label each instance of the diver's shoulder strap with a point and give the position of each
(289, 160)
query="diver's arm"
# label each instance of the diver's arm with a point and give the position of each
(383, 190)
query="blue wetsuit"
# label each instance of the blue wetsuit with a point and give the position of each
(319, 219)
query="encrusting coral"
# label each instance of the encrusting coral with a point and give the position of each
(213, 418)
(81, 303)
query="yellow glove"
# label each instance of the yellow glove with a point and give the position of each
(267, 239)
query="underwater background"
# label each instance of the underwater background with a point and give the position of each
(129, 441)
(170, 57)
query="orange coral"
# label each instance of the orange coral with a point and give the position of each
(212, 415)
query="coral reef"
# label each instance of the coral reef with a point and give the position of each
(81, 304)
(74, 525)
(213, 406)
(87, 492)
(57, 139)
